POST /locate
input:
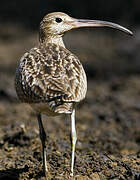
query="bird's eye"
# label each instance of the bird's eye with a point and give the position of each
(58, 20)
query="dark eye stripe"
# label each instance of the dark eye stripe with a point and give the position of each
(58, 20)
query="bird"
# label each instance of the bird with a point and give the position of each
(51, 79)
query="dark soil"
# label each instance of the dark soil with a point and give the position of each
(107, 121)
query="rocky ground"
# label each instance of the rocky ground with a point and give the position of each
(107, 121)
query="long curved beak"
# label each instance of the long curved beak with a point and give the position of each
(77, 23)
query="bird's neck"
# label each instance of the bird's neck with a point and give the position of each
(58, 40)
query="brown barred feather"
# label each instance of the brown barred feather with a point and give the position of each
(51, 76)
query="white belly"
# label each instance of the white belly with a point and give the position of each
(44, 108)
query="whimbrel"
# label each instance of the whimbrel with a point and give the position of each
(50, 78)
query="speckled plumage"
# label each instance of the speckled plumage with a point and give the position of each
(51, 76)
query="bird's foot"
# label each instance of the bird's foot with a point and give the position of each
(45, 171)
(71, 174)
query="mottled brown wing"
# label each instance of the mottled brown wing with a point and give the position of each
(50, 73)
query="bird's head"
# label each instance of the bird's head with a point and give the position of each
(57, 23)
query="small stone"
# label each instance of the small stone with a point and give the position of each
(95, 176)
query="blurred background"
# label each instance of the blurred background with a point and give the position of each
(108, 119)
(30, 13)
(105, 49)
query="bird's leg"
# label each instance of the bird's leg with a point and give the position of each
(43, 139)
(74, 139)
